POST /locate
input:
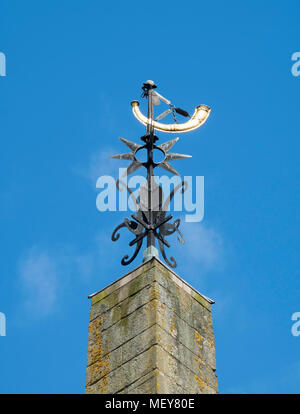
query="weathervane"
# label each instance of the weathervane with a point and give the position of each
(151, 220)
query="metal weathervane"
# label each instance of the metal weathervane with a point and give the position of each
(151, 220)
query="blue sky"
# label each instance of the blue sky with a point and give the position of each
(72, 70)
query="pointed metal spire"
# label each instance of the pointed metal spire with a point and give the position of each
(132, 145)
(127, 156)
(168, 145)
(168, 167)
(173, 156)
(135, 165)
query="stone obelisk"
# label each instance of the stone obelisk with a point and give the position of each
(150, 332)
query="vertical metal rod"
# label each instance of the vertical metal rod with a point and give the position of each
(150, 130)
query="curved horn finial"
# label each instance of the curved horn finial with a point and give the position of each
(197, 119)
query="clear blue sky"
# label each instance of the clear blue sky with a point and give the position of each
(72, 69)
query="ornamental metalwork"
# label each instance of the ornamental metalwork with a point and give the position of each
(151, 220)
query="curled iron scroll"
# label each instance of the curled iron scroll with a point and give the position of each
(139, 226)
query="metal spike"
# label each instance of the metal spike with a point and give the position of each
(163, 114)
(132, 145)
(166, 166)
(135, 165)
(168, 145)
(173, 156)
(128, 156)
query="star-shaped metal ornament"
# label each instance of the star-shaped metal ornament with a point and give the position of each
(164, 148)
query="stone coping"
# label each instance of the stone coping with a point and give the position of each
(123, 280)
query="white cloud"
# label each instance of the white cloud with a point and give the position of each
(99, 164)
(44, 274)
(203, 245)
(39, 280)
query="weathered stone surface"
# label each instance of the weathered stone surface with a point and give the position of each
(150, 332)
(126, 374)
(121, 332)
(102, 302)
(195, 382)
(155, 382)
(123, 354)
(195, 360)
(144, 385)
(170, 308)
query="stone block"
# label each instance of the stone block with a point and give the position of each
(150, 332)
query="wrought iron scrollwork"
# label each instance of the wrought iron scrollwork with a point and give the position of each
(140, 225)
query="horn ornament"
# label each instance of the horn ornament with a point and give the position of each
(197, 119)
